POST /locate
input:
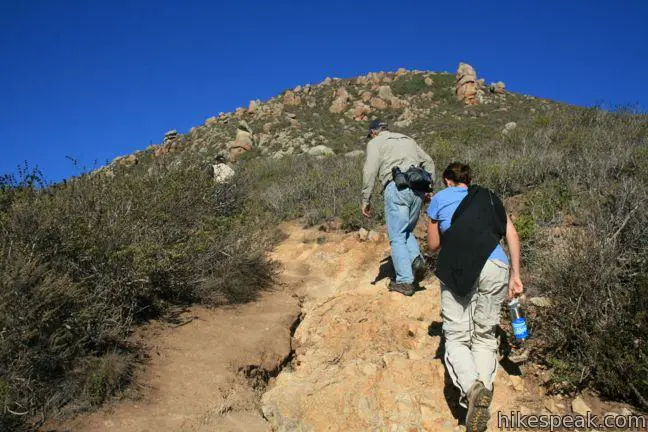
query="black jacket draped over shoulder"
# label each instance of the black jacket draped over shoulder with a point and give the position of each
(477, 226)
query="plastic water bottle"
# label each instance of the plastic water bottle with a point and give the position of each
(518, 322)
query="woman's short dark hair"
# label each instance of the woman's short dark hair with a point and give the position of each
(458, 173)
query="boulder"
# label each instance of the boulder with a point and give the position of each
(405, 119)
(363, 234)
(498, 87)
(243, 142)
(291, 99)
(385, 92)
(378, 103)
(339, 104)
(170, 136)
(169, 144)
(397, 103)
(126, 161)
(508, 127)
(466, 84)
(222, 173)
(580, 407)
(321, 150)
(342, 93)
(428, 81)
(366, 96)
(360, 111)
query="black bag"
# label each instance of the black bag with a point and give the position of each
(419, 179)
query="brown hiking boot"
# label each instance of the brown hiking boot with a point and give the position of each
(403, 288)
(479, 400)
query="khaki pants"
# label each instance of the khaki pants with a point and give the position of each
(469, 325)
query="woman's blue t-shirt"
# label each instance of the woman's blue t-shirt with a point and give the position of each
(443, 205)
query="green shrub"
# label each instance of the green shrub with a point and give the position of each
(104, 376)
(526, 227)
(409, 85)
(352, 218)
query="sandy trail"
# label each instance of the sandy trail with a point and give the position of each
(192, 382)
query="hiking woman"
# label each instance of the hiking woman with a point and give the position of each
(466, 225)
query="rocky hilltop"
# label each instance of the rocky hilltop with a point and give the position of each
(331, 117)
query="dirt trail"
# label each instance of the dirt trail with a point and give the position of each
(193, 381)
(361, 358)
(365, 359)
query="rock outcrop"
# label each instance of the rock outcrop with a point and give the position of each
(291, 98)
(378, 103)
(466, 84)
(169, 144)
(243, 143)
(307, 116)
(340, 102)
(498, 87)
(222, 172)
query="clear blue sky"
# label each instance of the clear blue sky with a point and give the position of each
(95, 79)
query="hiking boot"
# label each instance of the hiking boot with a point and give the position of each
(479, 399)
(419, 269)
(403, 288)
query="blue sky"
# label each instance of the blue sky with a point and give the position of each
(96, 79)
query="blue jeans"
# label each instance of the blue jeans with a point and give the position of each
(402, 212)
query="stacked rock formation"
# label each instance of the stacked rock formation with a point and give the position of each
(466, 84)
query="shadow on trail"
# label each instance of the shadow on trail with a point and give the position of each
(386, 270)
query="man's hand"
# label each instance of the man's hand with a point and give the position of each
(366, 210)
(515, 285)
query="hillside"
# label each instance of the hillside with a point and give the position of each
(334, 114)
(86, 262)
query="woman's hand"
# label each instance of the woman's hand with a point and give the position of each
(515, 286)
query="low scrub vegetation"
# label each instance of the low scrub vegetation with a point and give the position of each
(82, 262)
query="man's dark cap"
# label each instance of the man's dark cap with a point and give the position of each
(375, 125)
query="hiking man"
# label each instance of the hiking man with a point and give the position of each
(466, 224)
(387, 150)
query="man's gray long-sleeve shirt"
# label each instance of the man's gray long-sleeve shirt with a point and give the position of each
(387, 150)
